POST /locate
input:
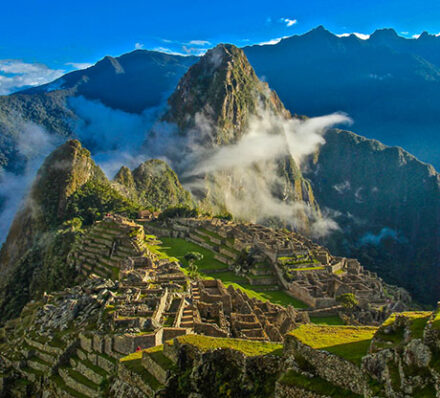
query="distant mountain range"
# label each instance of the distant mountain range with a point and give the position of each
(389, 85)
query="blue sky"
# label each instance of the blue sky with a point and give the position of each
(40, 40)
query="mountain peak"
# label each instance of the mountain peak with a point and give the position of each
(222, 89)
(426, 36)
(154, 184)
(384, 35)
(319, 31)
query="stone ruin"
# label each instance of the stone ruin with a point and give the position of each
(154, 299)
(228, 312)
(303, 268)
(133, 299)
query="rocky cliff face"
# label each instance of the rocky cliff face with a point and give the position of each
(389, 206)
(154, 184)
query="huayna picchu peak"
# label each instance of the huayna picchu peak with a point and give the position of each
(193, 221)
(223, 88)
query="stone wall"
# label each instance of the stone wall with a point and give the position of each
(286, 391)
(127, 343)
(330, 367)
(209, 329)
(161, 307)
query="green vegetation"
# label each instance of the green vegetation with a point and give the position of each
(348, 342)
(178, 211)
(300, 259)
(247, 347)
(274, 296)
(436, 320)
(417, 321)
(326, 320)
(191, 258)
(96, 198)
(309, 268)
(178, 248)
(315, 384)
(411, 315)
(138, 354)
(158, 186)
(347, 300)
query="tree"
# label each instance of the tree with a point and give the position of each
(192, 257)
(177, 212)
(348, 300)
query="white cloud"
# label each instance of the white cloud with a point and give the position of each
(244, 177)
(289, 22)
(167, 50)
(79, 65)
(139, 46)
(362, 36)
(272, 41)
(199, 42)
(16, 74)
(416, 36)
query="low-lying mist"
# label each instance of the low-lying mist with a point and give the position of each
(243, 177)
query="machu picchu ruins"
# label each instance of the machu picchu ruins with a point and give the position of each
(139, 307)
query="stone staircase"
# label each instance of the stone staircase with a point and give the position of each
(187, 320)
(195, 290)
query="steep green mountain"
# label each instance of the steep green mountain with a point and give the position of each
(153, 184)
(68, 192)
(389, 206)
(213, 107)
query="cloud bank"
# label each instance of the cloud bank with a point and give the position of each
(16, 74)
(114, 137)
(244, 178)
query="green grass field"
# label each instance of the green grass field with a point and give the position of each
(348, 342)
(177, 248)
(326, 320)
(247, 347)
(315, 384)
